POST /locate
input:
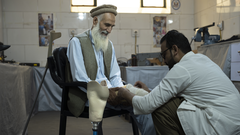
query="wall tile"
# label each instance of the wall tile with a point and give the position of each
(20, 5)
(127, 50)
(235, 10)
(65, 5)
(114, 36)
(145, 37)
(36, 53)
(117, 22)
(233, 30)
(49, 5)
(5, 36)
(13, 19)
(71, 20)
(187, 7)
(186, 22)
(16, 53)
(90, 20)
(223, 10)
(1, 35)
(30, 20)
(22, 36)
(143, 48)
(173, 22)
(135, 21)
(201, 5)
(125, 37)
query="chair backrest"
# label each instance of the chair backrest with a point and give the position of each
(60, 58)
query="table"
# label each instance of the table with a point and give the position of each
(16, 98)
(18, 87)
(150, 75)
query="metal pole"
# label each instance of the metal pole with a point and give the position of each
(53, 35)
(135, 42)
(95, 127)
(39, 88)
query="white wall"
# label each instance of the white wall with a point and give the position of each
(20, 28)
(1, 24)
(208, 11)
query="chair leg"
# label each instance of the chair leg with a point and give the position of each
(134, 126)
(62, 127)
(100, 131)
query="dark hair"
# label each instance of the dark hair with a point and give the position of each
(174, 37)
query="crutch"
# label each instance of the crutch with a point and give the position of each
(53, 35)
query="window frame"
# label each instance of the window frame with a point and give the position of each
(164, 5)
(94, 4)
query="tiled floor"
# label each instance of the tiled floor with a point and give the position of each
(47, 123)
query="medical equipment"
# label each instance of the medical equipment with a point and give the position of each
(97, 96)
(207, 38)
(143, 58)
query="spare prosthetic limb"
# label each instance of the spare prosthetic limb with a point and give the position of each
(97, 96)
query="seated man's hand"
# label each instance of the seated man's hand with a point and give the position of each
(140, 84)
(112, 96)
(114, 99)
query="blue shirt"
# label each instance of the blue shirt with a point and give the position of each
(78, 70)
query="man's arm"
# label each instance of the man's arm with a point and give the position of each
(115, 73)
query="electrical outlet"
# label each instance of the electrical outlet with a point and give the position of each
(134, 31)
(220, 25)
(72, 32)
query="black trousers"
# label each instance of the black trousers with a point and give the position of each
(165, 118)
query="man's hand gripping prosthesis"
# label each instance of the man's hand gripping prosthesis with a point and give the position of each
(115, 100)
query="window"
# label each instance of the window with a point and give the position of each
(83, 3)
(153, 3)
(132, 6)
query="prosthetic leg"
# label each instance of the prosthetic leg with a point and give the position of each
(97, 96)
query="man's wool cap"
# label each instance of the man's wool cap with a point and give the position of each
(103, 9)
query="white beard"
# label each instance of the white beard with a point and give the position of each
(100, 41)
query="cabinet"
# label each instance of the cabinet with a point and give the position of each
(227, 56)
(235, 61)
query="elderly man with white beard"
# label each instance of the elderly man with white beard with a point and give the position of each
(91, 56)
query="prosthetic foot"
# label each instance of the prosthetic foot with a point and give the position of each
(97, 97)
